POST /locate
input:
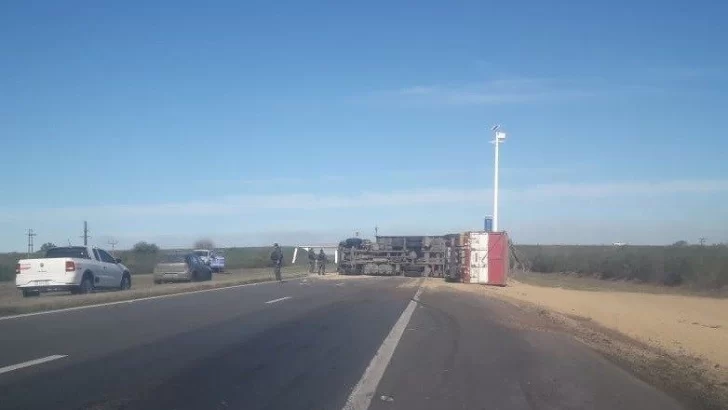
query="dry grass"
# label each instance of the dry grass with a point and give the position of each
(676, 342)
(576, 282)
(12, 302)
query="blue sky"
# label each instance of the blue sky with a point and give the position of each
(253, 122)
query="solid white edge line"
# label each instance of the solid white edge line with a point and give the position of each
(31, 363)
(361, 397)
(277, 300)
(120, 302)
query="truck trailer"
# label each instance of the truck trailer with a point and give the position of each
(395, 255)
(471, 257)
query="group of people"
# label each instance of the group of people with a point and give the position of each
(320, 258)
(277, 258)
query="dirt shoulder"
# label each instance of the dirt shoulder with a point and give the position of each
(676, 342)
(12, 302)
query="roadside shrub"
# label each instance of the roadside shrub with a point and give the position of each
(204, 244)
(704, 267)
(46, 246)
(144, 247)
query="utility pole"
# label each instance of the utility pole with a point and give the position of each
(376, 231)
(500, 136)
(31, 234)
(85, 234)
(113, 243)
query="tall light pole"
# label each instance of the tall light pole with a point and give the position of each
(500, 136)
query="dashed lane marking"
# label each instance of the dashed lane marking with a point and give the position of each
(29, 363)
(278, 300)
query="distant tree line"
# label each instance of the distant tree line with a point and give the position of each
(145, 248)
(697, 266)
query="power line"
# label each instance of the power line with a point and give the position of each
(113, 243)
(30, 234)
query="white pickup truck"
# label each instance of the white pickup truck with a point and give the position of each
(80, 269)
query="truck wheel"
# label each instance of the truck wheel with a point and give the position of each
(87, 285)
(125, 282)
(30, 293)
(157, 281)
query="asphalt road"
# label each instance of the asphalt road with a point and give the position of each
(385, 343)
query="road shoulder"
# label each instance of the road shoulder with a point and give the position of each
(464, 351)
(683, 376)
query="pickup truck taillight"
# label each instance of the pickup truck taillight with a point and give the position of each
(70, 266)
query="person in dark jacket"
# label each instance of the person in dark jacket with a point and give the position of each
(277, 257)
(322, 262)
(311, 260)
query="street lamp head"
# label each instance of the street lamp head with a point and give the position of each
(495, 127)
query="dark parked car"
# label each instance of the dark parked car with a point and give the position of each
(178, 267)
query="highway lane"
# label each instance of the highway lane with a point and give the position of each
(470, 352)
(306, 344)
(117, 353)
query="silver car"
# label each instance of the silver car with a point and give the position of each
(177, 267)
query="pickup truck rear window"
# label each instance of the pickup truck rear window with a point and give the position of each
(68, 252)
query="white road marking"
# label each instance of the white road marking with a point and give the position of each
(127, 301)
(363, 392)
(277, 300)
(31, 363)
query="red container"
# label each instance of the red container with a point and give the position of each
(498, 258)
(486, 258)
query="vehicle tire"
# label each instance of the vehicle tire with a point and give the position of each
(209, 275)
(157, 281)
(125, 282)
(30, 293)
(195, 277)
(87, 285)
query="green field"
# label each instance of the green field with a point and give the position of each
(141, 263)
(699, 267)
(235, 258)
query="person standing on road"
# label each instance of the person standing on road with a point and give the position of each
(311, 260)
(322, 262)
(277, 257)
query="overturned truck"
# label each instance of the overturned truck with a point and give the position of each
(396, 255)
(470, 257)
